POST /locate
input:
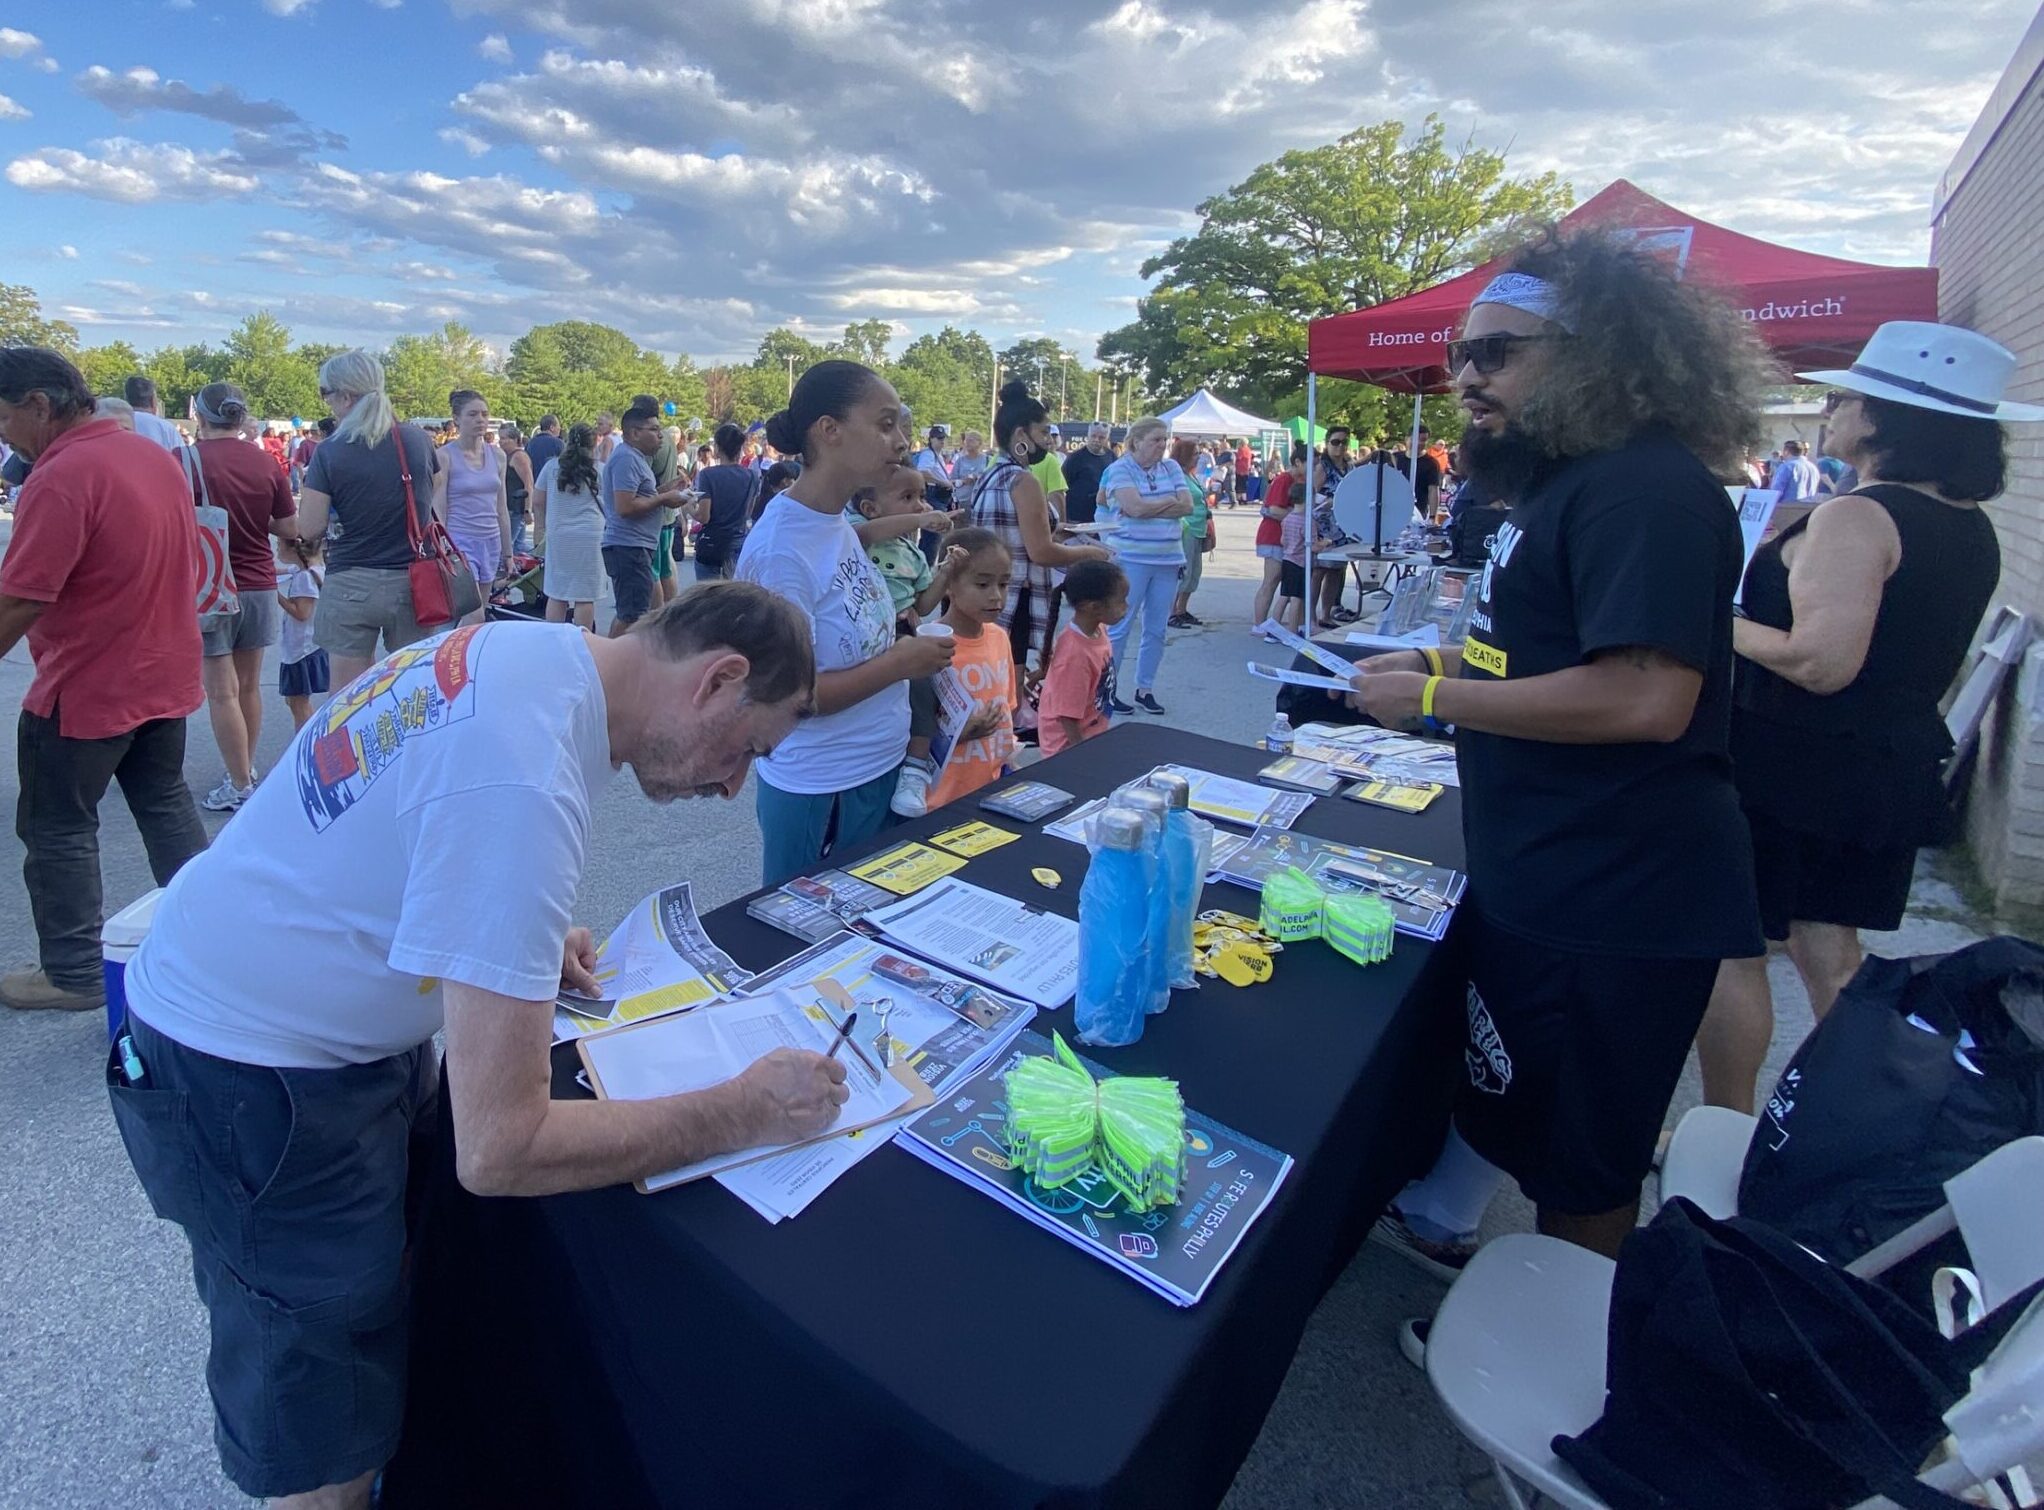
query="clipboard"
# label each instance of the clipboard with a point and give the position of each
(919, 1097)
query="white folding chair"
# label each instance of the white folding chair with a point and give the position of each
(1705, 1157)
(1516, 1352)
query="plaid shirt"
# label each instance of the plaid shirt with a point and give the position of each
(993, 508)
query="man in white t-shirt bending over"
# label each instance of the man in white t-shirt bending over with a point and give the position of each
(277, 1060)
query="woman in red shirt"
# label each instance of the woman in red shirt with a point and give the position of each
(1270, 533)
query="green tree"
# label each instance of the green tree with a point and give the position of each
(867, 341)
(260, 361)
(22, 322)
(687, 389)
(1346, 226)
(181, 371)
(947, 378)
(107, 368)
(421, 371)
(578, 369)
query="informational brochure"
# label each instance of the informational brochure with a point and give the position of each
(1365, 752)
(670, 1056)
(1007, 944)
(955, 707)
(973, 839)
(1242, 803)
(1027, 800)
(940, 1025)
(1174, 1250)
(1422, 896)
(1756, 512)
(657, 960)
(815, 907)
(907, 868)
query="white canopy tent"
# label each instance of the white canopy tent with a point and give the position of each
(1204, 415)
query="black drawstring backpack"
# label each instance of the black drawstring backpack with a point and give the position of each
(1744, 1371)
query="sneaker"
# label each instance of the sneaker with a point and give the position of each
(1412, 1340)
(912, 788)
(1147, 701)
(1443, 1260)
(33, 991)
(1118, 706)
(226, 797)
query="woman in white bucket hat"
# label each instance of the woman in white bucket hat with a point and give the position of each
(1856, 618)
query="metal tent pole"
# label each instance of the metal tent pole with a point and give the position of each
(1312, 428)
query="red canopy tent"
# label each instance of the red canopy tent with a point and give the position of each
(1813, 311)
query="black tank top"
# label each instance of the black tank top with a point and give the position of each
(1884, 727)
(514, 490)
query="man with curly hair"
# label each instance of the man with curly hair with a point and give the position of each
(1591, 703)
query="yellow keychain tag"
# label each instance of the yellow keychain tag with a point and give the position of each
(1234, 968)
(1047, 878)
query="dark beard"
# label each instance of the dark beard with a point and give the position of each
(1505, 465)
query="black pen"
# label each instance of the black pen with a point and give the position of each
(844, 1032)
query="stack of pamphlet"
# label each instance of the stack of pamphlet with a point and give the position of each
(1175, 1250)
(1364, 752)
(1422, 897)
(815, 907)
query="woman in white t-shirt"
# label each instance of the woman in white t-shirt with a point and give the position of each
(1144, 497)
(829, 782)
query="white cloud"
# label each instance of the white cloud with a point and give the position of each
(131, 172)
(952, 162)
(11, 111)
(68, 252)
(18, 44)
(47, 65)
(286, 7)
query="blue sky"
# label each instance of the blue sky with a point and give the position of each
(696, 173)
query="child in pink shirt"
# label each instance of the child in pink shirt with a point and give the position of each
(1073, 705)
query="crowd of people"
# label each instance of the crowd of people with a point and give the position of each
(1654, 785)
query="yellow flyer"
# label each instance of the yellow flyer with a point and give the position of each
(1406, 796)
(907, 868)
(969, 839)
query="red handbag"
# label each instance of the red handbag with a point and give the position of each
(443, 585)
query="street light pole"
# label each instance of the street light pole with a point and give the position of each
(791, 377)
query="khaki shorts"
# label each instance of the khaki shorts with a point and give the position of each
(360, 603)
(254, 626)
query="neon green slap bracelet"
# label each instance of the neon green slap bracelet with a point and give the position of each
(1061, 1123)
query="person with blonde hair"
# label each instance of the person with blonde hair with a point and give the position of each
(358, 477)
(1146, 497)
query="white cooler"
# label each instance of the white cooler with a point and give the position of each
(118, 941)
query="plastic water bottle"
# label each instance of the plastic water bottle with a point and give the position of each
(1113, 922)
(1157, 932)
(1184, 874)
(1279, 738)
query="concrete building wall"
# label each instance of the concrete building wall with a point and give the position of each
(1988, 244)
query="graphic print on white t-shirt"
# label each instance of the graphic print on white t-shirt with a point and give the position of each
(356, 736)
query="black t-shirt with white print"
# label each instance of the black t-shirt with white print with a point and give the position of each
(1629, 849)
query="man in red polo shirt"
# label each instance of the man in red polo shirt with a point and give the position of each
(101, 577)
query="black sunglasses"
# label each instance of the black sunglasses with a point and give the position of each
(1837, 397)
(1487, 353)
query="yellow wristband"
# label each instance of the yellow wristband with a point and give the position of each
(1433, 659)
(1426, 696)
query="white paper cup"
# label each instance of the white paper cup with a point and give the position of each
(933, 631)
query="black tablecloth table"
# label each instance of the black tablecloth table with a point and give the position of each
(907, 1340)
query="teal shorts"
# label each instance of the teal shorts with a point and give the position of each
(663, 558)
